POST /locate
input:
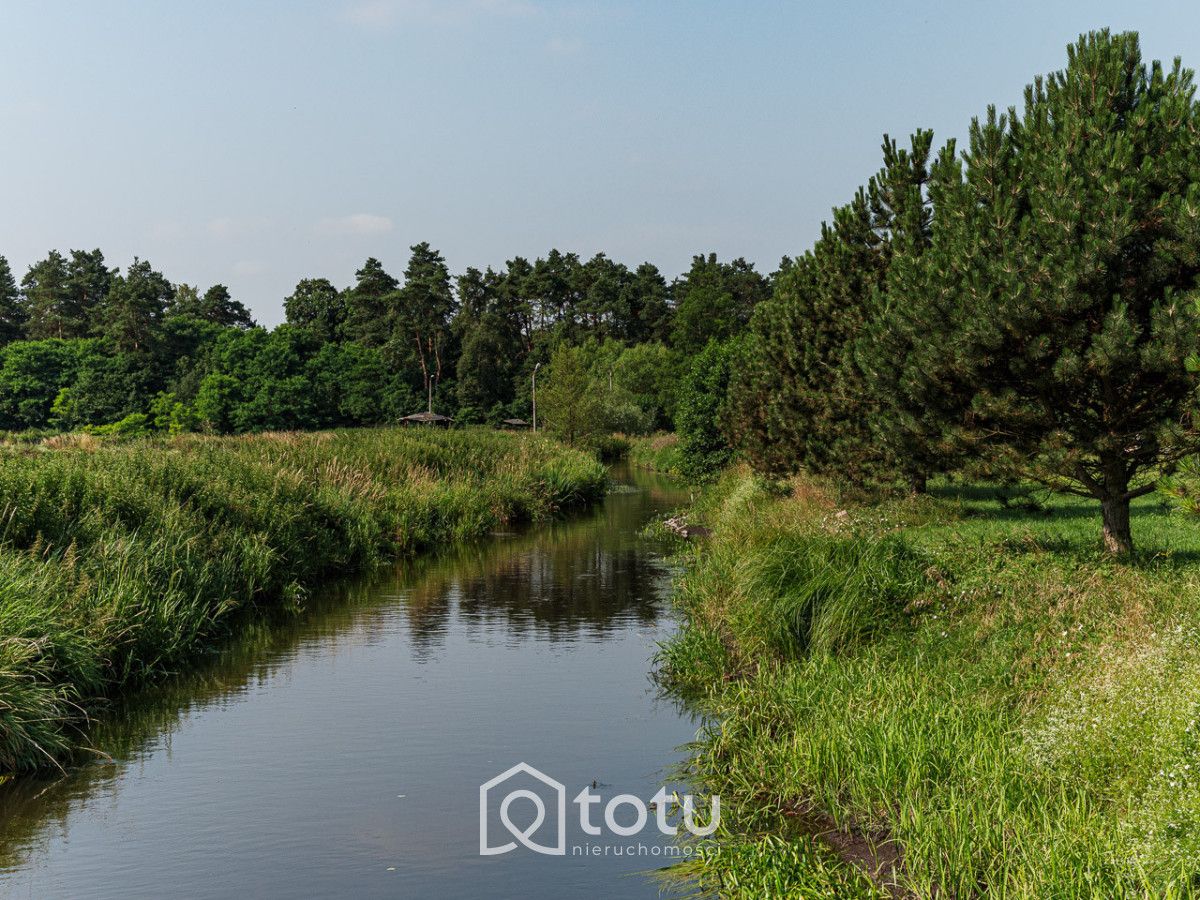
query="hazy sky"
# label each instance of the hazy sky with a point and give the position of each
(258, 143)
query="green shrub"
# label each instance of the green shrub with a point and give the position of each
(133, 425)
(703, 447)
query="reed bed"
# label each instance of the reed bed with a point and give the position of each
(120, 561)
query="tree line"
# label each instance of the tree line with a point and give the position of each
(83, 345)
(1026, 308)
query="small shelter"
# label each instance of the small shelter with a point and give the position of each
(426, 418)
(515, 424)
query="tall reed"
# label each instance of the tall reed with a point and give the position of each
(118, 561)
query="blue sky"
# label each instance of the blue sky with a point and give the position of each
(258, 143)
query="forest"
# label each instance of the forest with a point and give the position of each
(89, 346)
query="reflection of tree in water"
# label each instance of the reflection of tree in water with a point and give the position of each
(566, 589)
(578, 579)
(30, 807)
(573, 581)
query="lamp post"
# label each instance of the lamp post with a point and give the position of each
(535, 368)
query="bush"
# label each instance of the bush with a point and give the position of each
(658, 453)
(133, 425)
(703, 447)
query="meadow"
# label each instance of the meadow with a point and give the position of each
(965, 680)
(120, 560)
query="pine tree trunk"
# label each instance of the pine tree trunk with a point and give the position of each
(1114, 506)
(918, 483)
(1118, 539)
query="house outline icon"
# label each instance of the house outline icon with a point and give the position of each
(560, 793)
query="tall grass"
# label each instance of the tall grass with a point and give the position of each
(979, 682)
(118, 561)
(657, 453)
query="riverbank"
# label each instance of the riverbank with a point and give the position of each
(423, 679)
(119, 561)
(964, 682)
(657, 453)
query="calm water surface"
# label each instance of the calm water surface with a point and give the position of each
(342, 754)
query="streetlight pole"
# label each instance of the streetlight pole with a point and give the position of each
(535, 368)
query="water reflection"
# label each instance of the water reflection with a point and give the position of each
(547, 619)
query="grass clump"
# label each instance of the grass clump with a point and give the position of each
(771, 866)
(975, 679)
(118, 561)
(657, 453)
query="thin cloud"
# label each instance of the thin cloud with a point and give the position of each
(380, 14)
(376, 14)
(355, 224)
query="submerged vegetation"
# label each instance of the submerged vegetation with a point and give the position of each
(964, 676)
(117, 561)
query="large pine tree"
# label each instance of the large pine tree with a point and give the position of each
(134, 307)
(218, 306)
(49, 302)
(714, 301)
(88, 282)
(369, 313)
(1058, 301)
(905, 438)
(318, 306)
(793, 404)
(812, 389)
(13, 315)
(423, 309)
(489, 334)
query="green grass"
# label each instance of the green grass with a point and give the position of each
(968, 672)
(119, 561)
(657, 453)
(768, 866)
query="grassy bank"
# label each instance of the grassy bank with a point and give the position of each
(118, 561)
(657, 453)
(967, 675)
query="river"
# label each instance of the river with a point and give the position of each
(340, 754)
